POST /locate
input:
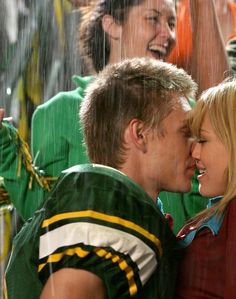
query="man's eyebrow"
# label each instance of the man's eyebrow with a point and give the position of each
(184, 129)
(184, 125)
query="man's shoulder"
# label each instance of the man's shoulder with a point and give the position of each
(104, 178)
(97, 169)
(103, 191)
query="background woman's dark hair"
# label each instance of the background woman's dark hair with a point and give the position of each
(94, 42)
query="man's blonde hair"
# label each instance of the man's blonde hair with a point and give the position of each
(140, 88)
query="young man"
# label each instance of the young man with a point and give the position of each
(100, 233)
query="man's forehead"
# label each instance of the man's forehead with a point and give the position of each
(181, 103)
(178, 115)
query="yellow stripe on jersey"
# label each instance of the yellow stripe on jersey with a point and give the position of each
(108, 218)
(56, 257)
(98, 235)
(129, 273)
(5, 289)
(123, 266)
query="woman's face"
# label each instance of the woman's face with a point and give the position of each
(148, 31)
(212, 159)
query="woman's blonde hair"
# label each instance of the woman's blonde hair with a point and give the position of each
(219, 103)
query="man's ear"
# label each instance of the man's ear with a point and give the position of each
(137, 134)
(111, 27)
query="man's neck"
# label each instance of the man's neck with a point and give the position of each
(137, 174)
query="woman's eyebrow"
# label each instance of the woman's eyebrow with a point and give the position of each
(154, 10)
(204, 131)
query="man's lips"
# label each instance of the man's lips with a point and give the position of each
(191, 169)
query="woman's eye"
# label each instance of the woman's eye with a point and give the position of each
(171, 25)
(153, 20)
(201, 141)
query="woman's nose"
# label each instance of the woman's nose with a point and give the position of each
(166, 32)
(195, 150)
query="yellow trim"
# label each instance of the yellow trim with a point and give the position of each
(133, 289)
(104, 217)
(59, 14)
(101, 253)
(58, 256)
(32, 81)
(5, 289)
(25, 156)
(23, 129)
(5, 246)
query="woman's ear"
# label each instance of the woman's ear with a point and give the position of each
(111, 27)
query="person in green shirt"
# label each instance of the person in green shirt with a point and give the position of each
(107, 35)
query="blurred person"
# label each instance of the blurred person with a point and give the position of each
(208, 241)
(231, 52)
(100, 233)
(218, 17)
(41, 58)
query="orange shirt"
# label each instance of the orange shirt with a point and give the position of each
(183, 49)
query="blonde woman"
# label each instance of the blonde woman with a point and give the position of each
(207, 266)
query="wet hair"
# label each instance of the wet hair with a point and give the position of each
(139, 88)
(94, 42)
(219, 103)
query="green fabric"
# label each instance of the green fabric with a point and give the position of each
(107, 193)
(56, 140)
(56, 137)
(25, 200)
(57, 145)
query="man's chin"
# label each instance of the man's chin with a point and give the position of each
(183, 189)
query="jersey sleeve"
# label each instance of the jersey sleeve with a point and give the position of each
(100, 229)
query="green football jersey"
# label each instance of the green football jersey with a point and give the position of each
(99, 220)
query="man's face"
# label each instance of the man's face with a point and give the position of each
(169, 160)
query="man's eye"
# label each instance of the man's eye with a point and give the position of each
(187, 134)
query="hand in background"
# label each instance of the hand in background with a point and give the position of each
(2, 118)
